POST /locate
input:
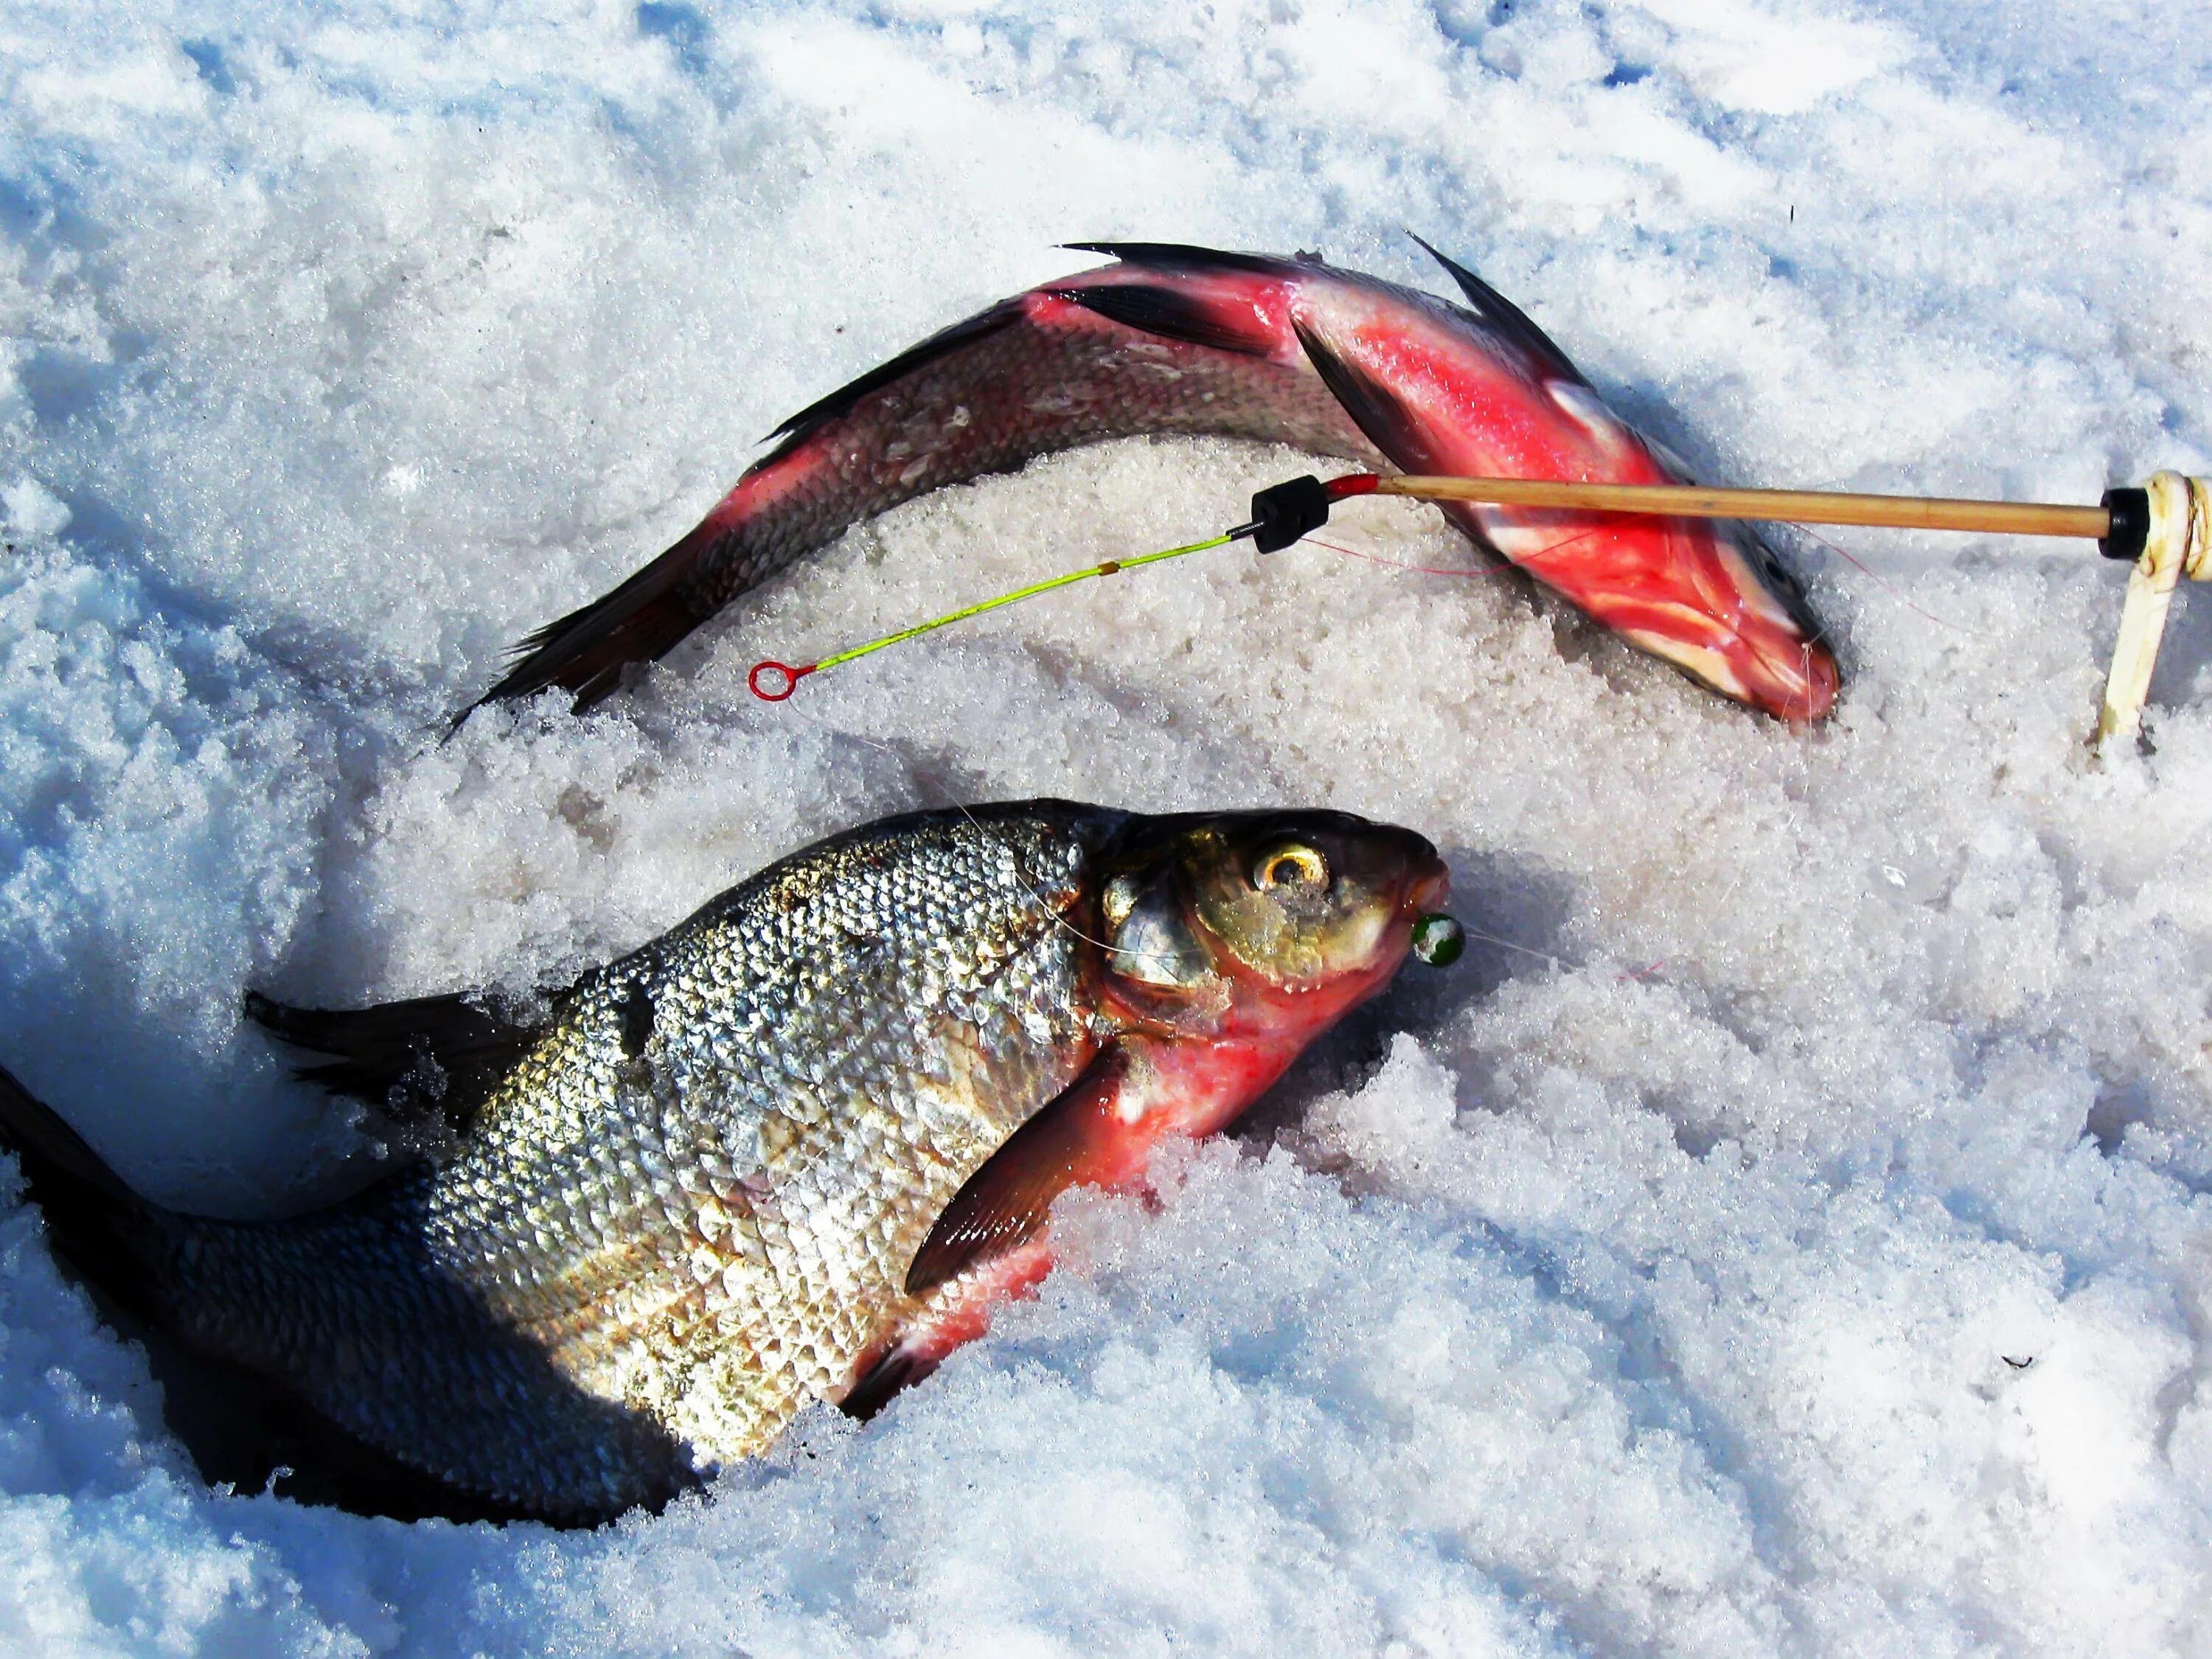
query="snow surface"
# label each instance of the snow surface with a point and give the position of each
(1789, 1229)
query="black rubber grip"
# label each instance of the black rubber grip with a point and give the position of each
(1282, 513)
(2130, 511)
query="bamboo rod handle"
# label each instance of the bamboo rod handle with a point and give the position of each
(2179, 544)
(1781, 506)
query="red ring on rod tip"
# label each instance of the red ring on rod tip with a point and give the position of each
(1354, 483)
(791, 679)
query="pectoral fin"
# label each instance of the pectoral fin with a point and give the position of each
(1076, 1138)
(1508, 319)
(1374, 407)
(1380, 413)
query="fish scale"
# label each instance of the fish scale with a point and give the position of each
(793, 1152)
(758, 1181)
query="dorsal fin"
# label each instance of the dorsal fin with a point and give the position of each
(1493, 308)
(423, 1059)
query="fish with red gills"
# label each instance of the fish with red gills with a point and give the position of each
(1176, 339)
(794, 1151)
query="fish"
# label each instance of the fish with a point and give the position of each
(796, 1150)
(1294, 351)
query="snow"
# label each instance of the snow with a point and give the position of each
(1786, 1230)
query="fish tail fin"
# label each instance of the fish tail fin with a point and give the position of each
(103, 1228)
(586, 651)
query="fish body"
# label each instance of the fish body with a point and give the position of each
(1176, 339)
(795, 1150)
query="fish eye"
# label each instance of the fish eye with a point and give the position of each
(1291, 864)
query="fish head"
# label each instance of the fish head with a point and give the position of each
(1714, 601)
(1259, 926)
(1484, 394)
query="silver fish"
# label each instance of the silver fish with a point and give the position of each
(793, 1151)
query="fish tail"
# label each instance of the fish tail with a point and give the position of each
(107, 1232)
(586, 651)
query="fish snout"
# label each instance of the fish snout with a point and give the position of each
(1790, 676)
(1430, 887)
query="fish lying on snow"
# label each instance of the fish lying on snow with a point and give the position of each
(1291, 351)
(791, 1150)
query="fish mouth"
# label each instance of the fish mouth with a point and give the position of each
(1428, 891)
(1789, 676)
(1808, 694)
(1779, 656)
(1766, 662)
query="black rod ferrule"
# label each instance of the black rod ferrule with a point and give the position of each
(2130, 511)
(1282, 513)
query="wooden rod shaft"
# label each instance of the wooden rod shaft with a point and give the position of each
(1780, 506)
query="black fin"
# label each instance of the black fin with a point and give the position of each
(1501, 313)
(1181, 256)
(894, 1371)
(425, 1058)
(942, 343)
(1167, 313)
(645, 618)
(1005, 1202)
(94, 1220)
(1376, 411)
(586, 651)
(1374, 408)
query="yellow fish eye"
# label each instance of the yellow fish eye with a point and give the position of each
(1290, 864)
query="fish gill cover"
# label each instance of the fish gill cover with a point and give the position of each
(1796, 1239)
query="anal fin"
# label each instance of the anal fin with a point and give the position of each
(1076, 1138)
(1173, 314)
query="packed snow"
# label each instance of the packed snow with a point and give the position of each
(1788, 1228)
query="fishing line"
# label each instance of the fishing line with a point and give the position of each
(2162, 527)
(1054, 916)
(1893, 592)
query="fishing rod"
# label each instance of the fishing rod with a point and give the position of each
(2163, 527)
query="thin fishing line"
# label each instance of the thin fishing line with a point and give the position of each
(1058, 918)
(1396, 564)
(1887, 587)
(1507, 565)
(791, 675)
(1525, 950)
(1013, 853)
